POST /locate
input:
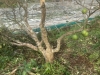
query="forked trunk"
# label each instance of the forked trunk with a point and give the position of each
(49, 56)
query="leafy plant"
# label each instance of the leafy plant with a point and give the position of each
(27, 67)
(54, 69)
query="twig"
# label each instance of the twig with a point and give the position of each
(12, 72)
(31, 73)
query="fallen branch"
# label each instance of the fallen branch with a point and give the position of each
(12, 72)
(31, 73)
(18, 43)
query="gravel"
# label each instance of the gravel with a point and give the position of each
(57, 12)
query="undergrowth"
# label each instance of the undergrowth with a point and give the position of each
(76, 57)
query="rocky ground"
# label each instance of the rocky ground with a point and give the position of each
(62, 12)
(57, 12)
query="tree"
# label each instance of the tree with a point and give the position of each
(47, 51)
(91, 10)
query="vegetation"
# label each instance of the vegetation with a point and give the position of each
(76, 56)
(23, 52)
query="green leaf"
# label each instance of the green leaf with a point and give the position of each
(24, 73)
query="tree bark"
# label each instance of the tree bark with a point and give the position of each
(48, 55)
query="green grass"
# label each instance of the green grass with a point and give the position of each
(75, 57)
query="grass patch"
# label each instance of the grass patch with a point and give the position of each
(76, 57)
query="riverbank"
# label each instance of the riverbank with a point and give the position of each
(57, 12)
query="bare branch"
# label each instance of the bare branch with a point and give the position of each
(29, 45)
(60, 39)
(89, 9)
(42, 24)
(10, 3)
(18, 43)
(12, 72)
(31, 73)
(29, 29)
(78, 2)
(90, 13)
(98, 2)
